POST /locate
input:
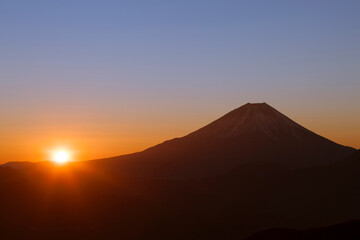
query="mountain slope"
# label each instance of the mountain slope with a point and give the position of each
(250, 133)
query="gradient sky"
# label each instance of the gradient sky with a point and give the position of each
(112, 77)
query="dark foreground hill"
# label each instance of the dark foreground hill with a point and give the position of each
(79, 202)
(112, 199)
(345, 231)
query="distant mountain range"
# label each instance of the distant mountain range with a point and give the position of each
(250, 171)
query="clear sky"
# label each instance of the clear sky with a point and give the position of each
(112, 77)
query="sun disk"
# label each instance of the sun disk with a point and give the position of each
(60, 157)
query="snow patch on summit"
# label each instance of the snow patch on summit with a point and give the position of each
(250, 118)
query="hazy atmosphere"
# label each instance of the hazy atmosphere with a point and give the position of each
(112, 77)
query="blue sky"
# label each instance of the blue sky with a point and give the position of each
(172, 66)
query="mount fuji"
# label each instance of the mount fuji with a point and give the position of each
(254, 132)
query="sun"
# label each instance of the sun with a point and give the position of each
(61, 157)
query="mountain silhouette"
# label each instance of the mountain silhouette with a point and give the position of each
(251, 133)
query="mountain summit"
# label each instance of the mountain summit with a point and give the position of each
(254, 132)
(253, 118)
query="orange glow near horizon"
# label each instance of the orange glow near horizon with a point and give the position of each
(102, 137)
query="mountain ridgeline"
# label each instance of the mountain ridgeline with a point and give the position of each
(251, 133)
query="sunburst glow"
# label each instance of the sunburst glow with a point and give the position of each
(61, 156)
